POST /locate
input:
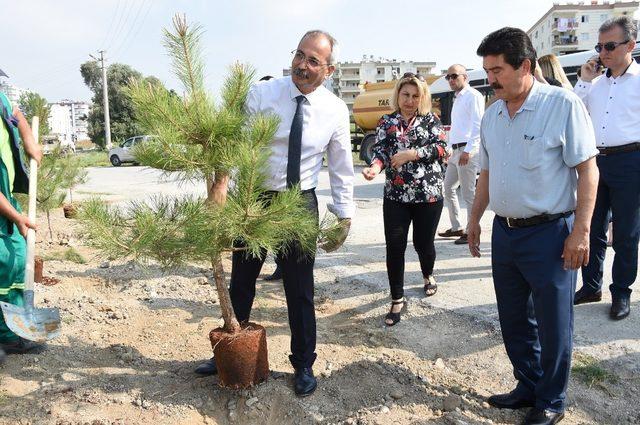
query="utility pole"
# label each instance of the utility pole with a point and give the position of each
(105, 101)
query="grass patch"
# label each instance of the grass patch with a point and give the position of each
(93, 159)
(68, 254)
(589, 371)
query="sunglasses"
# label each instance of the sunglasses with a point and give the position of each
(412, 75)
(610, 46)
(452, 76)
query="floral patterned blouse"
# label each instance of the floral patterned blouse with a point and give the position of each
(416, 181)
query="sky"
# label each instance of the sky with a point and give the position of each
(47, 40)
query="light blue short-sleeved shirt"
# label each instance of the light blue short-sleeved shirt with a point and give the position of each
(531, 158)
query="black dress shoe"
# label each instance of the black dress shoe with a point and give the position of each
(620, 308)
(277, 275)
(510, 400)
(304, 382)
(449, 233)
(585, 295)
(542, 417)
(462, 240)
(22, 346)
(207, 368)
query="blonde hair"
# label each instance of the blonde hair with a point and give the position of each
(550, 67)
(424, 106)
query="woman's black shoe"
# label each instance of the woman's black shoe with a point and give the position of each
(392, 318)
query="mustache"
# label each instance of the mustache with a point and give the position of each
(300, 73)
(496, 86)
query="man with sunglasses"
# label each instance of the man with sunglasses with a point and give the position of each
(464, 139)
(313, 121)
(613, 101)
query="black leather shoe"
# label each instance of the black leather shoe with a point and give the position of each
(620, 308)
(586, 295)
(207, 368)
(22, 346)
(542, 417)
(462, 240)
(304, 382)
(449, 233)
(510, 400)
(277, 275)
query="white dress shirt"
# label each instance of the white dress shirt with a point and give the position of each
(325, 128)
(466, 116)
(614, 106)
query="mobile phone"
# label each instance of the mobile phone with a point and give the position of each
(599, 65)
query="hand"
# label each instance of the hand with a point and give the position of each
(34, 151)
(589, 70)
(576, 250)
(401, 158)
(218, 190)
(24, 224)
(473, 238)
(338, 240)
(370, 173)
(464, 159)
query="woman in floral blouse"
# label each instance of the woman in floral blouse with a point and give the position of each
(410, 146)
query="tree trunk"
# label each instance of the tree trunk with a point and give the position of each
(216, 196)
(231, 324)
(49, 224)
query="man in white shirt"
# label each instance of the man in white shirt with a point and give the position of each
(464, 139)
(613, 101)
(313, 121)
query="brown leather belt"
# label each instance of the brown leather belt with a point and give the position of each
(533, 221)
(458, 145)
(620, 149)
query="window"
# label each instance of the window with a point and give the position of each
(585, 18)
(584, 36)
(604, 17)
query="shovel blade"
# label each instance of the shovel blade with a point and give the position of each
(36, 324)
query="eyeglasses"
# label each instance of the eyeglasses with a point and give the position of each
(610, 46)
(412, 75)
(299, 56)
(452, 76)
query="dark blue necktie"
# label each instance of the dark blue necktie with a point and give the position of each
(295, 145)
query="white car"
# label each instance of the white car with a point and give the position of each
(124, 152)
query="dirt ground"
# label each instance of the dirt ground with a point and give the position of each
(132, 336)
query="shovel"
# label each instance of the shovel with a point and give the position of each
(28, 322)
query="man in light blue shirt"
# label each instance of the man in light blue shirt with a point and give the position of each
(537, 167)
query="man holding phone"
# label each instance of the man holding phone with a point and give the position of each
(614, 105)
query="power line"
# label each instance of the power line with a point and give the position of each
(122, 23)
(110, 27)
(133, 26)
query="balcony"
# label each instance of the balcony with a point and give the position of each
(349, 77)
(565, 41)
(563, 25)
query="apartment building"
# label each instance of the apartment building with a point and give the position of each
(349, 77)
(573, 26)
(68, 119)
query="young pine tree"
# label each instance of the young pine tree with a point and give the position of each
(207, 141)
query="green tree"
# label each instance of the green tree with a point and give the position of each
(205, 140)
(123, 121)
(32, 105)
(57, 174)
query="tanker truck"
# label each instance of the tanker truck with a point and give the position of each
(368, 107)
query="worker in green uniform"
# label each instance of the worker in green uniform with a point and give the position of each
(15, 138)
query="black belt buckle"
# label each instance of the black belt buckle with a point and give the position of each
(509, 221)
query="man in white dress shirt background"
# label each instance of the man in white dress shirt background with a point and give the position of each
(464, 139)
(313, 121)
(613, 101)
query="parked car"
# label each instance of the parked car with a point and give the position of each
(124, 152)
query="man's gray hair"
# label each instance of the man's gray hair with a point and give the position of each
(333, 57)
(629, 27)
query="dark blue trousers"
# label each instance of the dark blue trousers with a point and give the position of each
(618, 191)
(535, 306)
(297, 277)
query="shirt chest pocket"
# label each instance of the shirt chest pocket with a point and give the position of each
(532, 152)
